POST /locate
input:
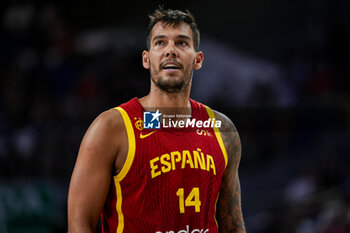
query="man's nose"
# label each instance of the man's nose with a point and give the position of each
(171, 50)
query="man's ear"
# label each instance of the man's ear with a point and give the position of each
(145, 59)
(198, 60)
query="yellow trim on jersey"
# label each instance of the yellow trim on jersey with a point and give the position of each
(216, 204)
(217, 134)
(126, 167)
(223, 149)
(119, 206)
(132, 145)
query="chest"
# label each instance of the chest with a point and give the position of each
(161, 152)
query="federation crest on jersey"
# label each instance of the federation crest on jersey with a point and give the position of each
(151, 120)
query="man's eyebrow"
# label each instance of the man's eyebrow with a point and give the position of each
(184, 37)
(179, 37)
(158, 37)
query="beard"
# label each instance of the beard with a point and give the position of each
(173, 83)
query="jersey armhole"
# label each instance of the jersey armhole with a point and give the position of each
(126, 167)
(217, 134)
(131, 148)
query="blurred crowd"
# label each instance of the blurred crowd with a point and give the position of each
(292, 115)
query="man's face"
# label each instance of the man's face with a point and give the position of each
(171, 57)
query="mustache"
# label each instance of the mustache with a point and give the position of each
(179, 64)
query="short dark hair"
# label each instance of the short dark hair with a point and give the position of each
(173, 18)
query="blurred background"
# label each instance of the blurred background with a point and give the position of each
(279, 69)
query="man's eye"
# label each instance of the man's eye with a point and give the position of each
(183, 43)
(159, 42)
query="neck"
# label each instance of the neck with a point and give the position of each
(170, 103)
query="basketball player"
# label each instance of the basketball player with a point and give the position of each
(154, 180)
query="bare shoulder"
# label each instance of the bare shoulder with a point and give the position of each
(108, 125)
(106, 136)
(109, 119)
(226, 125)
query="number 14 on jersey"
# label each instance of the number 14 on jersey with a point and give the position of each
(191, 200)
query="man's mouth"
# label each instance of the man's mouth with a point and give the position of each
(167, 67)
(171, 65)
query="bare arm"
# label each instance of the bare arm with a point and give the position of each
(229, 211)
(93, 171)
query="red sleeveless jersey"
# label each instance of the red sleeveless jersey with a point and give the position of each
(171, 179)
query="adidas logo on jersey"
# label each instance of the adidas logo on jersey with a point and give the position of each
(187, 230)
